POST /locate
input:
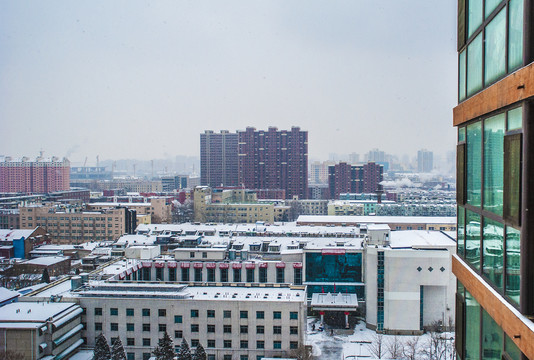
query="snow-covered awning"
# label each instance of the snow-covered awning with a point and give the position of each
(68, 334)
(65, 319)
(69, 350)
(336, 302)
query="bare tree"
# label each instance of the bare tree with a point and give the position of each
(410, 350)
(395, 348)
(378, 346)
(439, 345)
(303, 352)
(182, 213)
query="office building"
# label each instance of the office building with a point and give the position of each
(218, 158)
(425, 161)
(495, 257)
(39, 176)
(274, 159)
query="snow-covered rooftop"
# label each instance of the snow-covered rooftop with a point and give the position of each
(31, 311)
(420, 239)
(47, 260)
(10, 235)
(377, 219)
(6, 294)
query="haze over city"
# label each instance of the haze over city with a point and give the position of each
(144, 79)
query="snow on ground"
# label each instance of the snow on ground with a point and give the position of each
(357, 343)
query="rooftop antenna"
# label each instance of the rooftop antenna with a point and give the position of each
(134, 169)
(152, 164)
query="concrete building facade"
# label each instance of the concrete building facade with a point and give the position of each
(72, 225)
(218, 159)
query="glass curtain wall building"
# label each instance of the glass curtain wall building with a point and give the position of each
(495, 180)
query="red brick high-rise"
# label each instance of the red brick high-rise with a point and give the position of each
(274, 159)
(38, 177)
(357, 179)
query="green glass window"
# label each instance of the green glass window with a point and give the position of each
(513, 265)
(511, 348)
(461, 76)
(495, 52)
(461, 231)
(515, 34)
(515, 118)
(489, 6)
(494, 163)
(472, 332)
(461, 134)
(474, 162)
(493, 254)
(472, 238)
(474, 65)
(512, 179)
(474, 16)
(460, 289)
(492, 338)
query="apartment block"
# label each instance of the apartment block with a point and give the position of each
(39, 176)
(425, 161)
(73, 225)
(218, 158)
(346, 178)
(274, 159)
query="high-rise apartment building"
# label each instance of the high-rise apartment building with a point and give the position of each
(39, 176)
(274, 159)
(346, 178)
(218, 159)
(425, 161)
(494, 264)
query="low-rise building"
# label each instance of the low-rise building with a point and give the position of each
(44, 330)
(19, 243)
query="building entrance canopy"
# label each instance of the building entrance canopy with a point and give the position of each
(334, 302)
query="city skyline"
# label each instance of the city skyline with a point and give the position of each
(95, 71)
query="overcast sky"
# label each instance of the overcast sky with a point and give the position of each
(142, 79)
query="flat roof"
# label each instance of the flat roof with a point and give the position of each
(31, 311)
(46, 260)
(420, 239)
(377, 219)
